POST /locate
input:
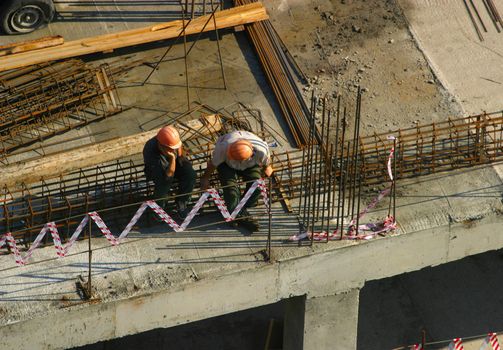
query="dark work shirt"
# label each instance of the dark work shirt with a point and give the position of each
(153, 158)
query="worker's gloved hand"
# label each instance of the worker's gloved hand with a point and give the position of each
(268, 171)
(205, 183)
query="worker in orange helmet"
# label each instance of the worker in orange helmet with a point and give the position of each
(165, 160)
(244, 154)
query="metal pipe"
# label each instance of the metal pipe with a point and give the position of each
(269, 230)
(336, 160)
(218, 47)
(185, 57)
(323, 152)
(394, 180)
(344, 188)
(307, 201)
(479, 34)
(478, 16)
(355, 151)
(329, 189)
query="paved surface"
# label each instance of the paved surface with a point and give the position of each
(469, 68)
(79, 19)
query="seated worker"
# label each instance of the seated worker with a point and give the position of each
(239, 153)
(164, 160)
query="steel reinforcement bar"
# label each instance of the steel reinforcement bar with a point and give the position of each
(51, 99)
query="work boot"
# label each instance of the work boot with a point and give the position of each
(182, 209)
(245, 220)
(232, 224)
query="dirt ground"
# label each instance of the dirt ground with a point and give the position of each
(341, 44)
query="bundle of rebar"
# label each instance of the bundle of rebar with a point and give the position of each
(272, 54)
(476, 19)
(40, 101)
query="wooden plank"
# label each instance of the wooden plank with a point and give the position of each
(99, 78)
(89, 155)
(48, 41)
(227, 18)
(108, 85)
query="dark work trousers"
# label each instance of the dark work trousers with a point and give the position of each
(229, 177)
(185, 175)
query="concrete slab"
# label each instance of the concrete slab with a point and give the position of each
(445, 34)
(177, 297)
(79, 19)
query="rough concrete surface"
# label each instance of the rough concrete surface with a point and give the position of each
(468, 67)
(328, 320)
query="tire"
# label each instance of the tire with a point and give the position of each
(25, 16)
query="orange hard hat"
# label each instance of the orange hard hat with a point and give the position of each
(240, 150)
(169, 136)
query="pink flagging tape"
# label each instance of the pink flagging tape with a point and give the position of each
(259, 183)
(371, 230)
(456, 344)
(391, 155)
(61, 251)
(11, 242)
(133, 220)
(491, 342)
(416, 347)
(386, 225)
(371, 205)
(263, 190)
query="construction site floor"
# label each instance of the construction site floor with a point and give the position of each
(339, 45)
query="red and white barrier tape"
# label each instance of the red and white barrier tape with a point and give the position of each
(456, 344)
(492, 341)
(61, 251)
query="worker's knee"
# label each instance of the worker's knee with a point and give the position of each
(190, 174)
(226, 175)
(252, 173)
(185, 172)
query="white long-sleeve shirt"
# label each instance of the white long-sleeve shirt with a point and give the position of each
(261, 155)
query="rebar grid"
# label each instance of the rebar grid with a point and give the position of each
(426, 149)
(327, 179)
(107, 185)
(51, 99)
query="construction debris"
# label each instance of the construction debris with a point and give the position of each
(31, 45)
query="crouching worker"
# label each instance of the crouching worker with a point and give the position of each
(239, 154)
(165, 160)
